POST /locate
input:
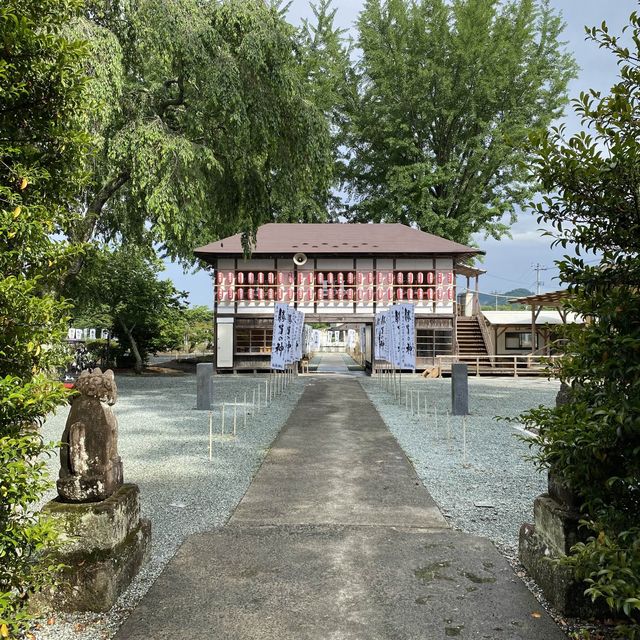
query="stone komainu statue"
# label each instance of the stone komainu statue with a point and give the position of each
(90, 467)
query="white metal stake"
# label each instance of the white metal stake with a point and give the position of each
(210, 436)
(253, 402)
(266, 392)
(259, 387)
(464, 441)
(412, 401)
(435, 417)
(222, 421)
(448, 427)
(244, 405)
(235, 415)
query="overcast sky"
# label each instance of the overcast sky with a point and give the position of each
(509, 262)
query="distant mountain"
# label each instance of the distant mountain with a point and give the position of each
(488, 300)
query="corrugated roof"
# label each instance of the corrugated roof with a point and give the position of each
(336, 239)
(546, 316)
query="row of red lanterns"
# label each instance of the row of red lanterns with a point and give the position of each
(280, 294)
(271, 277)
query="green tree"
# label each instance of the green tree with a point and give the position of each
(449, 93)
(593, 442)
(41, 103)
(122, 283)
(208, 129)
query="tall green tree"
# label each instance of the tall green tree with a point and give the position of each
(41, 142)
(449, 93)
(593, 442)
(209, 129)
(123, 284)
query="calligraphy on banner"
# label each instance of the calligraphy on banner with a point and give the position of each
(287, 342)
(395, 336)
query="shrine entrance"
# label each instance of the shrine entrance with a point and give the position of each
(338, 347)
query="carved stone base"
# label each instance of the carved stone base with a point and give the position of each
(554, 533)
(105, 544)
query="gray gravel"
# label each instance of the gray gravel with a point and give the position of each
(491, 491)
(164, 445)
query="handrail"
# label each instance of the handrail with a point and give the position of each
(499, 363)
(486, 336)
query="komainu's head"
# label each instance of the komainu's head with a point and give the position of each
(98, 385)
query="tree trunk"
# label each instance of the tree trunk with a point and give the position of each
(134, 347)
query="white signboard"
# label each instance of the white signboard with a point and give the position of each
(382, 336)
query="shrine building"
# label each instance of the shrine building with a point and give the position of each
(333, 273)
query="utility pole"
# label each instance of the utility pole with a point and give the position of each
(538, 268)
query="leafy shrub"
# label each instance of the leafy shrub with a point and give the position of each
(593, 442)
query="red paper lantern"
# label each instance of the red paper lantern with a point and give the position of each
(219, 277)
(289, 295)
(440, 277)
(450, 277)
(230, 295)
(270, 294)
(369, 295)
(319, 278)
(380, 278)
(300, 295)
(430, 277)
(409, 294)
(429, 294)
(310, 295)
(330, 278)
(229, 277)
(250, 277)
(400, 278)
(320, 294)
(261, 277)
(360, 295)
(250, 294)
(240, 277)
(290, 277)
(271, 277)
(350, 277)
(240, 294)
(280, 277)
(220, 294)
(450, 293)
(390, 293)
(340, 294)
(420, 294)
(400, 294)
(340, 277)
(370, 277)
(360, 277)
(439, 294)
(350, 294)
(280, 295)
(410, 278)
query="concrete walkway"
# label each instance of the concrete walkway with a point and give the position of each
(336, 539)
(332, 363)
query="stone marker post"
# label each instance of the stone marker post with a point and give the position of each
(204, 371)
(459, 389)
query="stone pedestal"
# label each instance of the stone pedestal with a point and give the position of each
(554, 532)
(104, 545)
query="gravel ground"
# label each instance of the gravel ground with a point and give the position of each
(164, 445)
(488, 491)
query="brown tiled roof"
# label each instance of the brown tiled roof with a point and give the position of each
(337, 239)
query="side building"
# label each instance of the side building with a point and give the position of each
(333, 273)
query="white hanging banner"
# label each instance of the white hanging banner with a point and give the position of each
(395, 335)
(278, 342)
(363, 339)
(382, 336)
(408, 321)
(351, 338)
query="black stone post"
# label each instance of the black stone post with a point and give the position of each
(204, 371)
(459, 389)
